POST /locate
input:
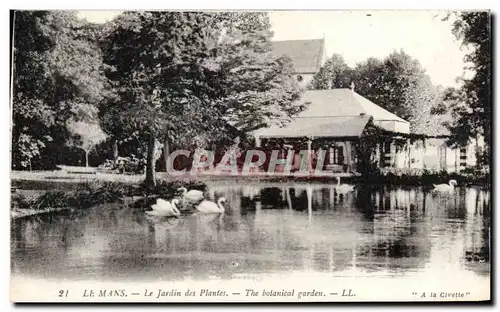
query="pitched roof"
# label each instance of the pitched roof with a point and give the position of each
(306, 55)
(318, 127)
(331, 113)
(342, 102)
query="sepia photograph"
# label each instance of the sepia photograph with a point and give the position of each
(250, 156)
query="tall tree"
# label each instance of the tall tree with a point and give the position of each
(254, 88)
(32, 115)
(397, 83)
(400, 85)
(57, 71)
(157, 62)
(197, 75)
(335, 73)
(472, 102)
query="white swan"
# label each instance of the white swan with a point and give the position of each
(164, 208)
(343, 188)
(445, 187)
(207, 206)
(193, 196)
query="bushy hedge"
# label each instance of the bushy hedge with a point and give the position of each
(425, 176)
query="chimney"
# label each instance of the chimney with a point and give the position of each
(352, 86)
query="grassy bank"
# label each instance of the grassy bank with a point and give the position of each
(42, 194)
(85, 195)
(393, 176)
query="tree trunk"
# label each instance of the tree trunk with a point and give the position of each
(150, 164)
(87, 159)
(115, 150)
(166, 152)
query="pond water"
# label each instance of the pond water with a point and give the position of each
(267, 229)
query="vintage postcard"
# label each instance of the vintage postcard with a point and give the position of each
(250, 156)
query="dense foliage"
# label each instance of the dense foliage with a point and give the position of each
(143, 78)
(471, 104)
(212, 78)
(57, 76)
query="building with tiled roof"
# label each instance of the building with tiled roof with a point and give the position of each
(342, 115)
(336, 113)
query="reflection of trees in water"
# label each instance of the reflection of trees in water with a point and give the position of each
(398, 240)
(271, 228)
(477, 231)
(272, 197)
(365, 202)
(42, 243)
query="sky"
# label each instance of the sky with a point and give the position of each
(358, 35)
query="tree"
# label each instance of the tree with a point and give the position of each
(56, 68)
(335, 73)
(197, 75)
(156, 61)
(31, 78)
(471, 104)
(400, 85)
(397, 83)
(87, 136)
(254, 88)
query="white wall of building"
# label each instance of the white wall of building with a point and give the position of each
(435, 155)
(394, 126)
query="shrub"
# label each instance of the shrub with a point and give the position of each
(50, 199)
(413, 176)
(18, 200)
(125, 165)
(92, 194)
(169, 189)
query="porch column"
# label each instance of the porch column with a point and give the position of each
(446, 158)
(425, 153)
(309, 203)
(348, 155)
(409, 153)
(309, 155)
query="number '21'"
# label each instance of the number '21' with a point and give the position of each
(63, 293)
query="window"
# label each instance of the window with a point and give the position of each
(336, 155)
(463, 156)
(387, 156)
(387, 147)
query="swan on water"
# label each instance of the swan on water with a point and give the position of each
(207, 206)
(343, 188)
(445, 187)
(192, 196)
(164, 208)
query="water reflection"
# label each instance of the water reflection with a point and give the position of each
(267, 228)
